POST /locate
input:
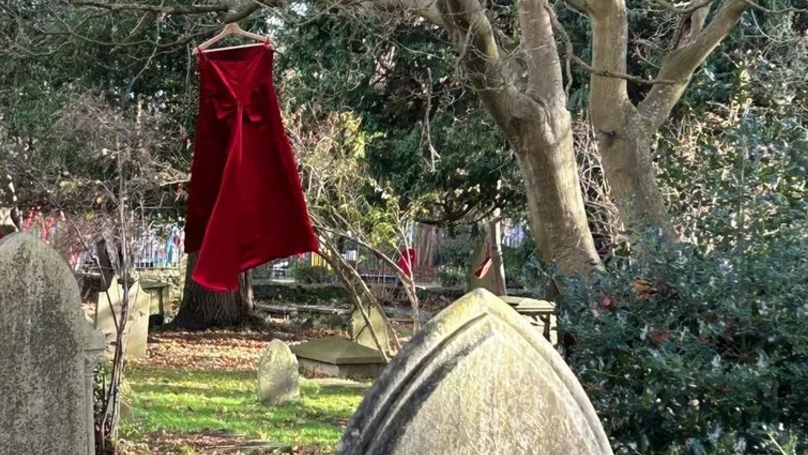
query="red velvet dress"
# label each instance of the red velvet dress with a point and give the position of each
(245, 203)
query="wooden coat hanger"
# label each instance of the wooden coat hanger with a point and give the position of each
(231, 29)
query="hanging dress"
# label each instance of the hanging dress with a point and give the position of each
(245, 204)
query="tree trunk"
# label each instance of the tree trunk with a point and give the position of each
(526, 97)
(624, 139)
(202, 309)
(556, 206)
(425, 243)
(631, 174)
(497, 262)
(477, 258)
(626, 132)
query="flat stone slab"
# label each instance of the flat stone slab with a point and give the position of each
(527, 303)
(337, 351)
(477, 379)
(339, 382)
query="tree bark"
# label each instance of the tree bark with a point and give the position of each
(626, 132)
(526, 97)
(497, 262)
(556, 206)
(202, 309)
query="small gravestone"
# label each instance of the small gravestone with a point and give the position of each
(278, 378)
(136, 330)
(360, 330)
(338, 357)
(48, 353)
(478, 379)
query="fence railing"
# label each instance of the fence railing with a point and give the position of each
(155, 247)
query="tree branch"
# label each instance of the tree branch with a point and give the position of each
(536, 24)
(753, 4)
(572, 58)
(694, 5)
(680, 64)
(159, 9)
(628, 77)
(491, 75)
(691, 24)
(581, 6)
(608, 97)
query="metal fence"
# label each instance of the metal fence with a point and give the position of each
(156, 246)
(159, 247)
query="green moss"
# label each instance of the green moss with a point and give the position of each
(189, 401)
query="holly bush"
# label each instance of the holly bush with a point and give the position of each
(688, 352)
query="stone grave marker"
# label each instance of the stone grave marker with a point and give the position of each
(137, 326)
(360, 331)
(478, 379)
(540, 313)
(338, 357)
(48, 353)
(278, 377)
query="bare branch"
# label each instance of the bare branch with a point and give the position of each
(691, 24)
(694, 5)
(757, 6)
(683, 62)
(159, 9)
(572, 58)
(627, 77)
(581, 6)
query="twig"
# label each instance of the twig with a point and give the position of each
(695, 6)
(758, 6)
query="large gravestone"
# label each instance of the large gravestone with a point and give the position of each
(478, 379)
(136, 330)
(47, 356)
(278, 378)
(360, 330)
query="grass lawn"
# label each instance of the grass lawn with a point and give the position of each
(180, 410)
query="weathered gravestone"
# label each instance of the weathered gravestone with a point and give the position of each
(136, 330)
(278, 378)
(338, 357)
(47, 354)
(360, 330)
(478, 379)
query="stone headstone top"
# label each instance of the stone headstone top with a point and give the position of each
(477, 379)
(47, 351)
(360, 330)
(337, 351)
(149, 285)
(528, 303)
(278, 378)
(108, 312)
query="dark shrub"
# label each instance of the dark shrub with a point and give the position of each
(696, 353)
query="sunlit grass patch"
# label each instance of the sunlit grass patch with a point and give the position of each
(192, 401)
